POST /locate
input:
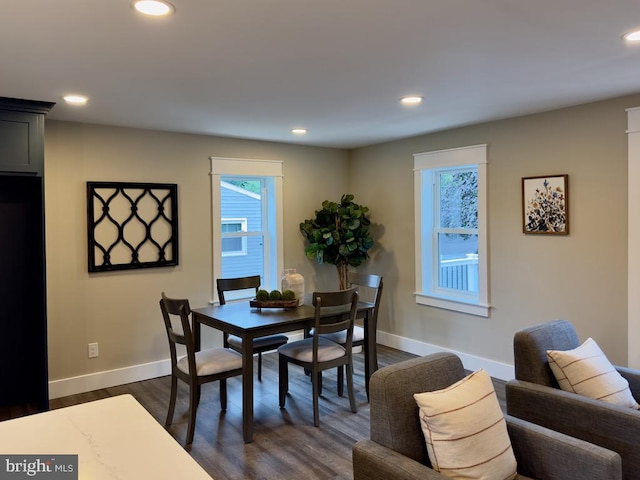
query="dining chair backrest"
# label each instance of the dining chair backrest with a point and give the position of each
(373, 282)
(178, 308)
(323, 301)
(262, 344)
(239, 283)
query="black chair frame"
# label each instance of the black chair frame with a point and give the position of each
(324, 324)
(180, 308)
(262, 344)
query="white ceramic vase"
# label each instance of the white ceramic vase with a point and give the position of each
(291, 280)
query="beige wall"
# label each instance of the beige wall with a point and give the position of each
(581, 277)
(119, 310)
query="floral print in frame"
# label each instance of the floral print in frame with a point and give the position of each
(545, 204)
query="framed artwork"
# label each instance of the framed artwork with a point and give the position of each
(131, 225)
(545, 205)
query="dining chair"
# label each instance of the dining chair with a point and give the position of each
(373, 286)
(195, 368)
(318, 353)
(260, 344)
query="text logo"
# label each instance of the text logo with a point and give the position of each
(49, 467)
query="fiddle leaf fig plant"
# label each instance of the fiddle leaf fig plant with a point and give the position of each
(339, 235)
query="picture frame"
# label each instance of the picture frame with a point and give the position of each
(131, 225)
(545, 205)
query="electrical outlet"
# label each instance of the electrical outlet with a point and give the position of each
(93, 350)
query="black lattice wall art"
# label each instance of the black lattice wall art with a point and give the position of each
(132, 225)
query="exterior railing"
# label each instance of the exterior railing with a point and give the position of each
(459, 273)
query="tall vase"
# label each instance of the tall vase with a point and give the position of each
(291, 280)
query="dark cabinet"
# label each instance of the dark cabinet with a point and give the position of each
(23, 324)
(22, 136)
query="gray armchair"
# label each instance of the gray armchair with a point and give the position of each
(535, 396)
(397, 450)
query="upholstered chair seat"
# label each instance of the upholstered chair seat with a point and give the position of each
(212, 361)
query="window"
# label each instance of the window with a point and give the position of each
(247, 220)
(232, 241)
(451, 226)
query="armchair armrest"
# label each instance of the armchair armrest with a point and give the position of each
(545, 454)
(610, 426)
(372, 461)
(633, 377)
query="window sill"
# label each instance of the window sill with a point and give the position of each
(455, 305)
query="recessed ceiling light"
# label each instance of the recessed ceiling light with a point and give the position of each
(411, 100)
(299, 131)
(156, 8)
(75, 99)
(632, 36)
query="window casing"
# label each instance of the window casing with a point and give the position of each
(451, 229)
(246, 225)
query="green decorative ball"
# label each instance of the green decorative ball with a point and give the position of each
(288, 295)
(262, 296)
(275, 295)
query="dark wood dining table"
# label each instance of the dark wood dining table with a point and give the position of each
(246, 322)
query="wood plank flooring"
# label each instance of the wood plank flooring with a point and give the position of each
(286, 443)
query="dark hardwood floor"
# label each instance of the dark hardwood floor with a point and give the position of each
(286, 444)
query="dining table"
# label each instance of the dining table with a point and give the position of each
(248, 323)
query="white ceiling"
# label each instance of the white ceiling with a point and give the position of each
(257, 68)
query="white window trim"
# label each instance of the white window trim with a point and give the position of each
(472, 155)
(247, 168)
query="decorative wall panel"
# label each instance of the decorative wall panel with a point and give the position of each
(131, 225)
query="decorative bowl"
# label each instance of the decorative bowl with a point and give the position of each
(273, 303)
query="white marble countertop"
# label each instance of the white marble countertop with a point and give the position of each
(114, 438)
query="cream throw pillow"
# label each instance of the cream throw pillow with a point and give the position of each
(585, 370)
(465, 430)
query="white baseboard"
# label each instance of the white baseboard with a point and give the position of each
(495, 369)
(109, 378)
(136, 373)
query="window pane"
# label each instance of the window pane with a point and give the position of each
(248, 184)
(458, 262)
(231, 227)
(232, 245)
(240, 206)
(458, 199)
(244, 265)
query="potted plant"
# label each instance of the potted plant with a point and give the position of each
(339, 235)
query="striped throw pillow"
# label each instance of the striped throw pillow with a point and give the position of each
(585, 370)
(465, 430)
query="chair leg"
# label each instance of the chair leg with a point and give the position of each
(283, 375)
(172, 399)
(259, 366)
(340, 381)
(316, 378)
(319, 381)
(223, 394)
(194, 396)
(352, 398)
